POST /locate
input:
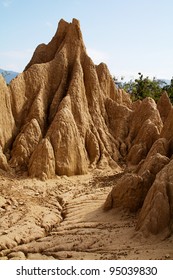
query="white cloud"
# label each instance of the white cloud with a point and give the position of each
(49, 24)
(16, 54)
(11, 67)
(15, 60)
(98, 56)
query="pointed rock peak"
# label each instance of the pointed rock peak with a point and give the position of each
(72, 28)
(76, 22)
(167, 130)
(164, 97)
(64, 24)
(67, 34)
(164, 106)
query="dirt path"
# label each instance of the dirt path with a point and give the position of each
(64, 219)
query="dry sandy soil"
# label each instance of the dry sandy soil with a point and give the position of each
(63, 218)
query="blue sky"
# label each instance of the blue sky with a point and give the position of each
(130, 36)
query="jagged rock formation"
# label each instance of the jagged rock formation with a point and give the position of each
(64, 116)
(157, 212)
(148, 186)
(145, 124)
(164, 106)
(67, 111)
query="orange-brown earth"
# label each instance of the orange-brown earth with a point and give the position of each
(85, 172)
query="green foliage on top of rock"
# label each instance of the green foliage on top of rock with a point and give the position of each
(143, 87)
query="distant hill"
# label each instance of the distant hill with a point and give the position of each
(9, 75)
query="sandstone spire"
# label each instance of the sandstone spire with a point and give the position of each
(67, 105)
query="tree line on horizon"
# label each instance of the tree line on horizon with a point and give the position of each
(143, 87)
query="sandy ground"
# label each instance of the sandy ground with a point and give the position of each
(63, 218)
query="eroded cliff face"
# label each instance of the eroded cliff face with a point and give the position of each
(64, 116)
